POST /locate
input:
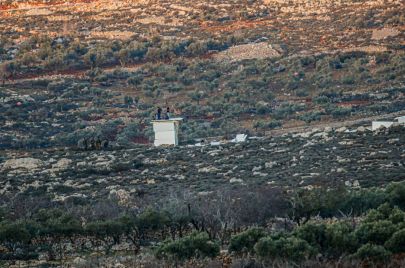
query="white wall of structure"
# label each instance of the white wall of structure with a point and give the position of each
(166, 132)
(377, 124)
(401, 119)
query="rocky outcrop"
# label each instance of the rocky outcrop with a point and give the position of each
(21, 165)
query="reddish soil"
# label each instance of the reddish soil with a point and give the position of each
(233, 26)
(353, 103)
(41, 4)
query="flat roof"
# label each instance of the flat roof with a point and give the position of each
(168, 120)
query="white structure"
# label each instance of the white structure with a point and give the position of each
(239, 138)
(166, 131)
(377, 124)
(401, 119)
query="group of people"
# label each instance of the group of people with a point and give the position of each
(92, 143)
(165, 116)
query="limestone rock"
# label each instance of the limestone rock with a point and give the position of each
(207, 169)
(29, 164)
(235, 180)
(62, 164)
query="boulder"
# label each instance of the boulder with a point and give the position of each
(62, 164)
(28, 164)
(341, 129)
(258, 168)
(270, 164)
(79, 261)
(208, 169)
(121, 195)
(361, 129)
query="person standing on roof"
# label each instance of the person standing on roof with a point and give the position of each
(168, 113)
(159, 113)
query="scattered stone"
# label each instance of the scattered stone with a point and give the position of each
(235, 180)
(258, 168)
(341, 129)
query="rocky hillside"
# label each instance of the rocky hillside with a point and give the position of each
(303, 79)
(301, 26)
(354, 157)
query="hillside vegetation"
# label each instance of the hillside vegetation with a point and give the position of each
(312, 187)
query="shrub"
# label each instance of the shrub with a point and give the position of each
(196, 245)
(12, 235)
(152, 219)
(340, 239)
(274, 124)
(286, 248)
(396, 243)
(376, 232)
(340, 112)
(372, 252)
(266, 248)
(314, 234)
(348, 80)
(362, 200)
(396, 193)
(311, 116)
(245, 241)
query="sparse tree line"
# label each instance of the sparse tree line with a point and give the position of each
(225, 92)
(261, 225)
(41, 53)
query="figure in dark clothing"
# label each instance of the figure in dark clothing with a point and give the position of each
(98, 143)
(104, 144)
(159, 113)
(86, 144)
(92, 144)
(168, 113)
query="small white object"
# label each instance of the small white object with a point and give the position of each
(240, 138)
(215, 143)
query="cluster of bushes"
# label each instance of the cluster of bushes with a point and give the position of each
(212, 111)
(197, 228)
(379, 235)
(46, 54)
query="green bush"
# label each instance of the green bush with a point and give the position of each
(285, 248)
(311, 116)
(396, 193)
(314, 234)
(372, 252)
(396, 243)
(274, 124)
(245, 241)
(13, 235)
(152, 220)
(340, 239)
(196, 245)
(376, 232)
(348, 80)
(340, 112)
